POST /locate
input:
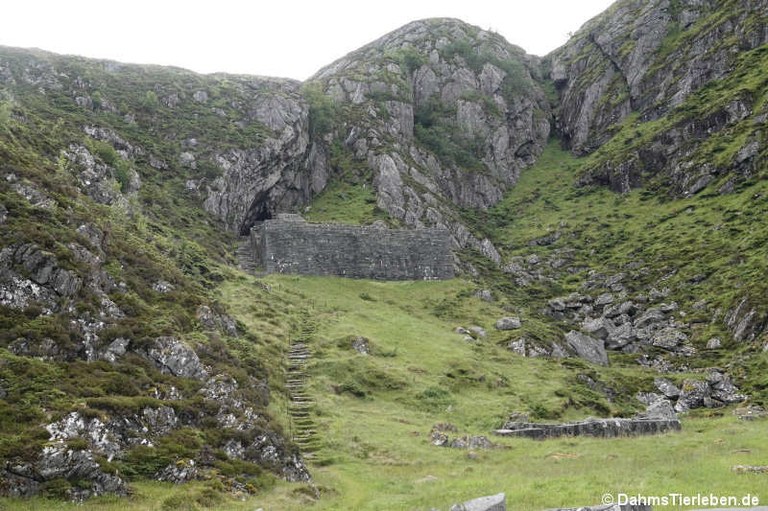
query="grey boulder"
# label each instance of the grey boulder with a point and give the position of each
(491, 503)
(508, 323)
(586, 347)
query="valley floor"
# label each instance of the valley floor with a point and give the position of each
(374, 413)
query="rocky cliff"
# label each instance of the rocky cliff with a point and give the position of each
(444, 115)
(676, 85)
(670, 96)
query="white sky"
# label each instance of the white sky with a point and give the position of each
(274, 37)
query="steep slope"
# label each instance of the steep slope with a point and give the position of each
(670, 97)
(116, 362)
(677, 86)
(108, 260)
(435, 116)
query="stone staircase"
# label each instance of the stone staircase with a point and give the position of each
(244, 255)
(300, 404)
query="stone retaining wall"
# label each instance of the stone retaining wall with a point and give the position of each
(606, 428)
(288, 244)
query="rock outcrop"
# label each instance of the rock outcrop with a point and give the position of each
(644, 66)
(444, 114)
(279, 173)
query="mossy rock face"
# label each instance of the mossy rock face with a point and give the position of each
(638, 98)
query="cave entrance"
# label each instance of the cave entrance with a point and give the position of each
(258, 212)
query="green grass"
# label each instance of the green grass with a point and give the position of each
(715, 237)
(374, 413)
(346, 203)
(392, 466)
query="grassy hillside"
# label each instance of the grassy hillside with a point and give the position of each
(374, 413)
(103, 243)
(707, 251)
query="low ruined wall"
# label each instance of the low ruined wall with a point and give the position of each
(606, 428)
(294, 246)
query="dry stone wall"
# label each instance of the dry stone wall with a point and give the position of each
(288, 244)
(605, 428)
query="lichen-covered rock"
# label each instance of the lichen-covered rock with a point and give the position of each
(269, 450)
(621, 50)
(182, 471)
(746, 321)
(694, 394)
(639, 61)
(280, 174)
(361, 345)
(586, 347)
(30, 275)
(722, 388)
(57, 461)
(213, 320)
(173, 356)
(667, 388)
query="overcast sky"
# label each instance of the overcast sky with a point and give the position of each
(273, 38)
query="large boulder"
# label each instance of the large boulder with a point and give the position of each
(58, 462)
(586, 347)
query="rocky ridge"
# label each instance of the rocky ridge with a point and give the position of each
(683, 68)
(444, 115)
